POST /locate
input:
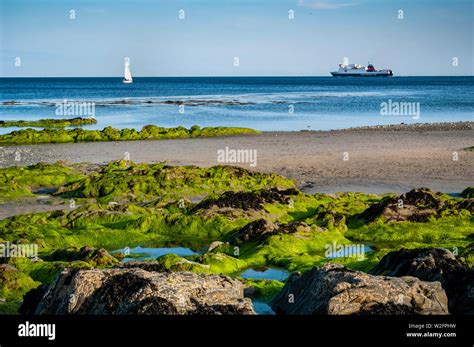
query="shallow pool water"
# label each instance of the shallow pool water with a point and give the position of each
(346, 251)
(262, 307)
(147, 253)
(265, 274)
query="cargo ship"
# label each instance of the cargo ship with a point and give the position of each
(356, 70)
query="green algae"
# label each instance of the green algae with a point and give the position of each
(14, 283)
(139, 204)
(124, 180)
(148, 132)
(265, 290)
(49, 123)
(18, 182)
(103, 224)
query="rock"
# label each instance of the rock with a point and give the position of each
(98, 257)
(252, 292)
(91, 255)
(136, 291)
(335, 290)
(175, 263)
(254, 231)
(4, 268)
(434, 264)
(14, 283)
(153, 266)
(328, 218)
(248, 200)
(468, 192)
(31, 300)
(422, 198)
(260, 229)
(466, 204)
(418, 205)
(214, 245)
(445, 126)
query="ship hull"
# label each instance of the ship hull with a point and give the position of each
(367, 74)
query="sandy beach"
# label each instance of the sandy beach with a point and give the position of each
(368, 160)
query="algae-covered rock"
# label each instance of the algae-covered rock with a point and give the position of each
(262, 289)
(145, 182)
(418, 205)
(49, 123)
(136, 291)
(88, 254)
(466, 204)
(148, 132)
(434, 264)
(174, 262)
(13, 285)
(18, 182)
(328, 217)
(215, 245)
(254, 200)
(259, 230)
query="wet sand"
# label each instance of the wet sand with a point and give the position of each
(378, 161)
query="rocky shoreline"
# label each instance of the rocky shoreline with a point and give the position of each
(444, 126)
(349, 253)
(406, 282)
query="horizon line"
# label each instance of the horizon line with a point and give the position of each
(227, 76)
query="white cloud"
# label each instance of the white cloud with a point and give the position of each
(325, 5)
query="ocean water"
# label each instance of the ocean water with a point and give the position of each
(263, 103)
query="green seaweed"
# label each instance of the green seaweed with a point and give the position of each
(49, 123)
(265, 290)
(126, 204)
(18, 182)
(148, 132)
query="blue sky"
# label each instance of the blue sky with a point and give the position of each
(213, 32)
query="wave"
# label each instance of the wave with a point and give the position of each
(213, 100)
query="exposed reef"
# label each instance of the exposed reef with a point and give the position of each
(148, 132)
(234, 220)
(48, 122)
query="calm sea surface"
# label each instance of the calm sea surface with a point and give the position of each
(264, 103)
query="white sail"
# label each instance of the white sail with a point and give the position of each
(127, 76)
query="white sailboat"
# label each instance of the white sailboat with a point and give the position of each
(127, 76)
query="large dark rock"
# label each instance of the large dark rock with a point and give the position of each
(422, 198)
(248, 200)
(466, 204)
(418, 205)
(91, 255)
(335, 290)
(136, 291)
(32, 299)
(260, 229)
(434, 264)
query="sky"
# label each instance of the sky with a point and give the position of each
(427, 40)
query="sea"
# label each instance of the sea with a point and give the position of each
(262, 103)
